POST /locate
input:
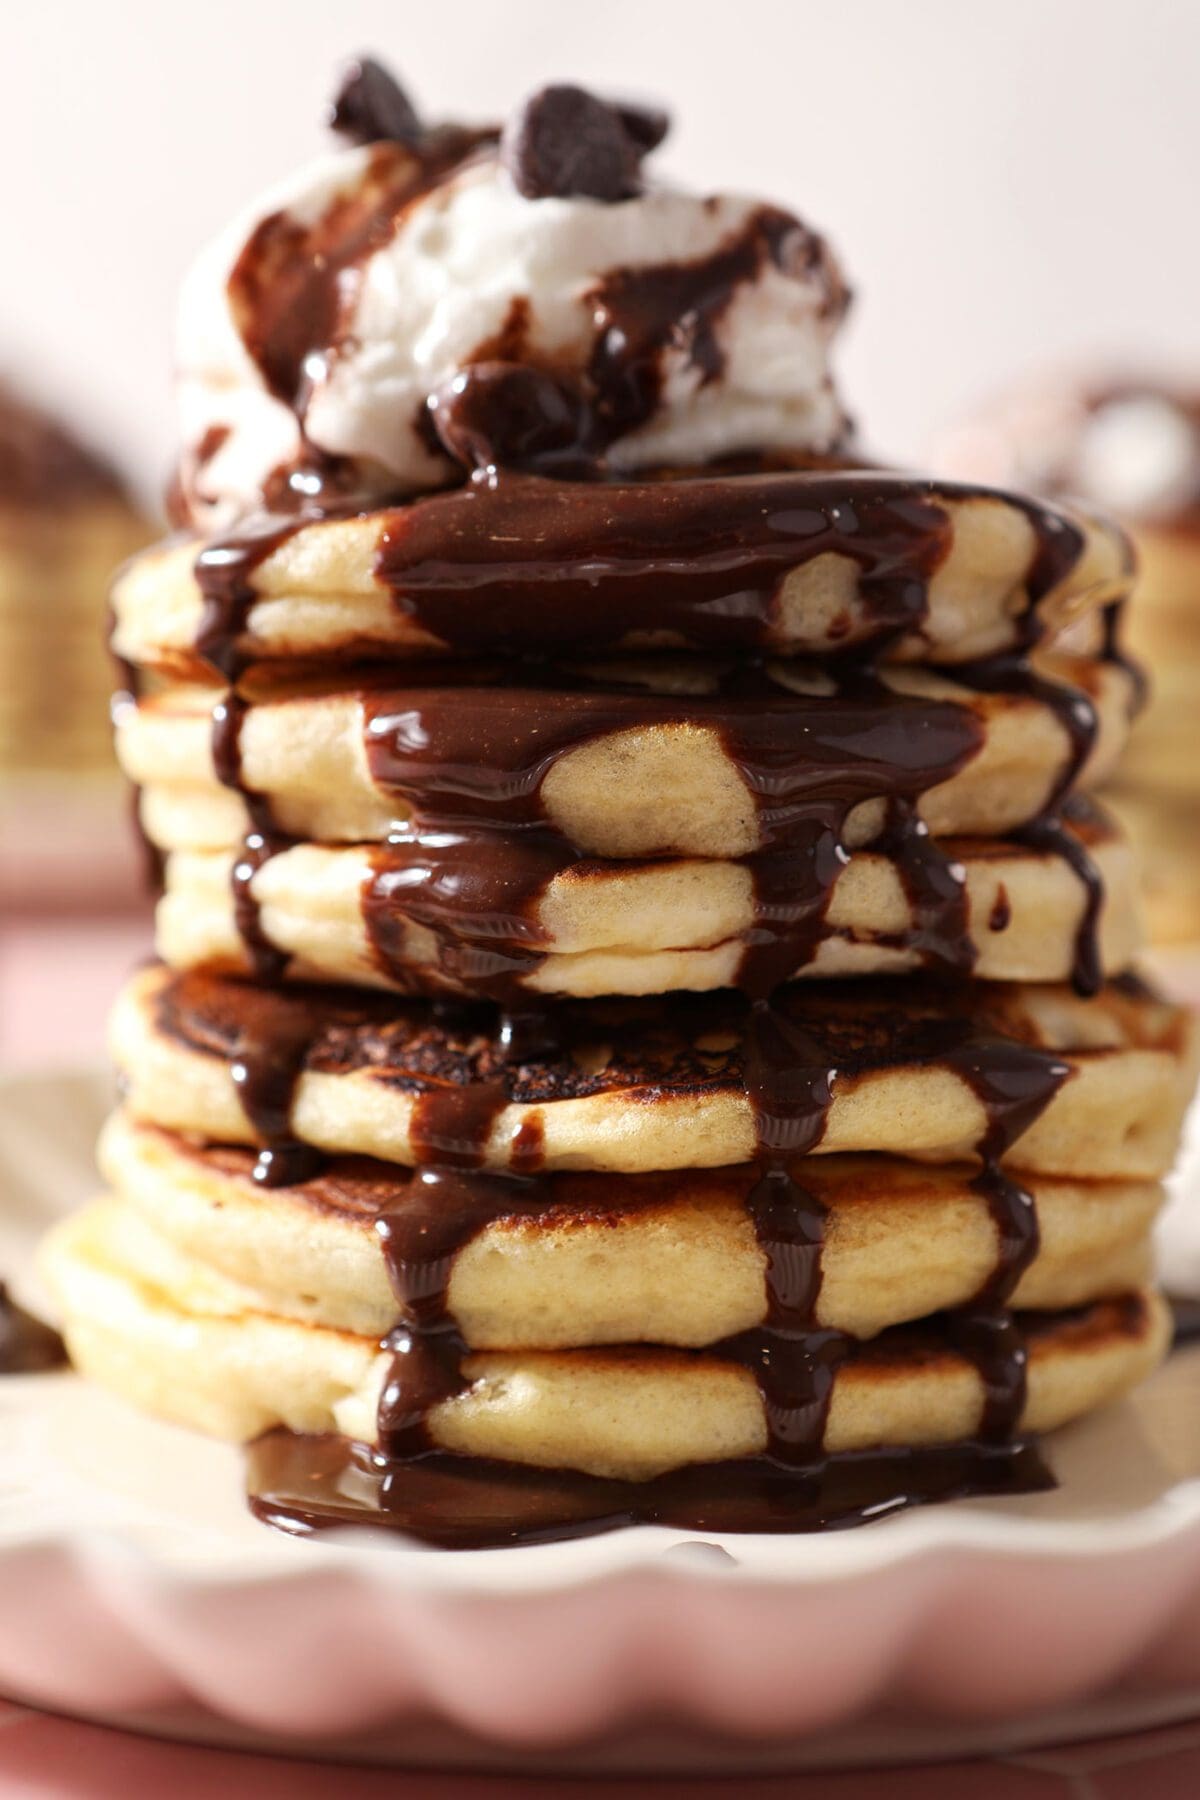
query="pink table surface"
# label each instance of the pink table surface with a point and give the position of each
(43, 1755)
(57, 979)
(58, 975)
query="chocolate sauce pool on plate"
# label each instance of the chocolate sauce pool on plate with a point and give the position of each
(27, 1346)
(302, 1485)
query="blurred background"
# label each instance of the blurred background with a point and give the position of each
(1006, 184)
(1010, 188)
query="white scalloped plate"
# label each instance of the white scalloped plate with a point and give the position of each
(136, 1586)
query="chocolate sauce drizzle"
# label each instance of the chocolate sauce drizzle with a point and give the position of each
(477, 849)
(790, 1069)
(262, 841)
(522, 564)
(456, 868)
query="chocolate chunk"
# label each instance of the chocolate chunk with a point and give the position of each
(370, 105)
(567, 141)
(646, 125)
(509, 415)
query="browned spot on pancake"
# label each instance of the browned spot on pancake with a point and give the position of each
(665, 1048)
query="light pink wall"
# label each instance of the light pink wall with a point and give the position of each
(1007, 182)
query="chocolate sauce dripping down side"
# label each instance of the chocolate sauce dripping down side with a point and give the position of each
(789, 1082)
(127, 692)
(1075, 711)
(450, 1200)
(262, 841)
(478, 849)
(1114, 652)
(790, 1062)
(27, 1346)
(224, 571)
(267, 1058)
(1014, 1083)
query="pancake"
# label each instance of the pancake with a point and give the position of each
(667, 1259)
(638, 759)
(382, 918)
(806, 563)
(667, 1084)
(180, 1342)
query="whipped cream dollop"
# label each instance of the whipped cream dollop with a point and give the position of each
(326, 336)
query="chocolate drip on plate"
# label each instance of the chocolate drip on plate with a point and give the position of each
(27, 1346)
(305, 1485)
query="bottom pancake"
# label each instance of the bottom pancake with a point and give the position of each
(183, 1343)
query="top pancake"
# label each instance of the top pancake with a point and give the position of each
(805, 563)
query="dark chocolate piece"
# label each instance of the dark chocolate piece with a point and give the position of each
(370, 105)
(510, 415)
(564, 141)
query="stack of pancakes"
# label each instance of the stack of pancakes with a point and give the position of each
(709, 1046)
(644, 1027)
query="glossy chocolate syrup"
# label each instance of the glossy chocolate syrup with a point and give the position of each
(1049, 832)
(457, 868)
(261, 842)
(27, 1346)
(293, 288)
(523, 564)
(790, 1064)
(267, 1055)
(478, 849)
(641, 313)
(302, 1485)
